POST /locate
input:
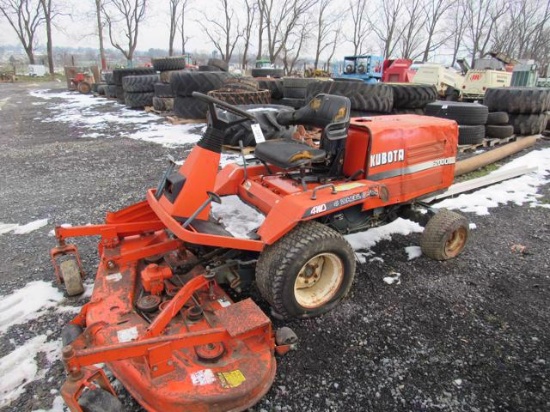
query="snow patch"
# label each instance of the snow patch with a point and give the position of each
(369, 238)
(237, 217)
(413, 252)
(22, 230)
(392, 278)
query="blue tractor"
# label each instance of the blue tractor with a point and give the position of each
(367, 68)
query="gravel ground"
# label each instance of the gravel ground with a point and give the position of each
(469, 334)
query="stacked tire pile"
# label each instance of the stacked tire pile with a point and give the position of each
(526, 107)
(241, 91)
(215, 65)
(183, 85)
(412, 98)
(119, 74)
(267, 72)
(471, 119)
(366, 99)
(163, 99)
(274, 85)
(110, 90)
(139, 90)
(295, 91)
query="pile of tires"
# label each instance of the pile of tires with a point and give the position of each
(110, 89)
(214, 65)
(241, 91)
(163, 99)
(119, 74)
(295, 91)
(267, 72)
(274, 85)
(471, 119)
(526, 107)
(365, 98)
(412, 98)
(498, 126)
(184, 83)
(266, 116)
(139, 90)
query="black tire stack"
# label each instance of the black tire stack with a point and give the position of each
(119, 74)
(267, 72)
(295, 90)
(275, 86)
(266, 116)
(185, 83)
(241, 91)
(498, 126)
(365, 98)
(412, 98)
(110, 90)
(471, 119)
(139, 90)
(526, 107)
(163, 99)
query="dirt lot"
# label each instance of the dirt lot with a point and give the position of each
(469, 334)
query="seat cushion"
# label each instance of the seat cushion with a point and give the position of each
(288, 154)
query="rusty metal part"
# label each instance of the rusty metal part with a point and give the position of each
(149, 303)
(194, 313)
(210, 352)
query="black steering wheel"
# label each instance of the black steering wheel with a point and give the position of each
(217, 122)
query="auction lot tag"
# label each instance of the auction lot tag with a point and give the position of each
(203, 377)
(258, 134)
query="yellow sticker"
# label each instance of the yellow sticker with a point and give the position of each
(231, 379)
(348, 186)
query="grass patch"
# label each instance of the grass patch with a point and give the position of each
(479, 172)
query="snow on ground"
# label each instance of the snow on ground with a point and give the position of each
(88, 113)
(366, 240)
(22, 229)
(520, 190)
(20, 367)
(237, 217)
(413, 252)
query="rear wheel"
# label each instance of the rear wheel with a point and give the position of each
(445, 235)
(307, 272)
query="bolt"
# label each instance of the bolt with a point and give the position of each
(110, 264)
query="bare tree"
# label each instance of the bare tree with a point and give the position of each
(25, 17)
(456, 27)
(99, 22)
(260, 26)
(327, 19)
(361, 26)
(293, 48)
(124, 17)
(481, 18)
(434, 11)
(50, 13)
(385, 22)
(412, 33)
(224, 32)
(176, 13)
(335, 44)
(182, 25)
(251, 9)
(281, 18)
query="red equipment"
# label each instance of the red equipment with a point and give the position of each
(82, 82)
(158, 317)
(397, 71)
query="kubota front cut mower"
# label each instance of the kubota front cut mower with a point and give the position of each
(159, 317)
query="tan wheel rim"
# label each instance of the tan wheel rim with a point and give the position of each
(456, 242)
(319, 280)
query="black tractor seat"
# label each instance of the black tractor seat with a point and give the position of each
(288, 154)
(328, 112)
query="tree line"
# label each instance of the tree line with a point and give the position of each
(284, 31)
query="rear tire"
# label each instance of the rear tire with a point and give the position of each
(445, 235)
(307, 272)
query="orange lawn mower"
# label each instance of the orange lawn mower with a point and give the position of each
(160, 317)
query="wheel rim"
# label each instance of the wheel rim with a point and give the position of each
(319, 280)
(456, 242)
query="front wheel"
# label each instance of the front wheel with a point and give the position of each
(307, 272)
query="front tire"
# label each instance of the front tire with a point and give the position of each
(307, 272)
(445, 235)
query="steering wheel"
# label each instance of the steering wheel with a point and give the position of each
(217, 122)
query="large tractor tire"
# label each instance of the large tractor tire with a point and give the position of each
(469, 114)
(267, 72)
(275, 86)
(266, 116)
(163, 104)
(190, 107)
(111, 91)
(163, 90)
(119, 74)
(185, 83)
(140, 84)
(138, 100)
(307, 272)
(296, 88)
(239, 97)
(528, 124)
(471, 134)
(108, 77)
(518, 100)
(167, 75)
(445, 235)
(412, 96)
(364, 97)
(248, 84)
(218, 64)
(497, 118)
(169, 63)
